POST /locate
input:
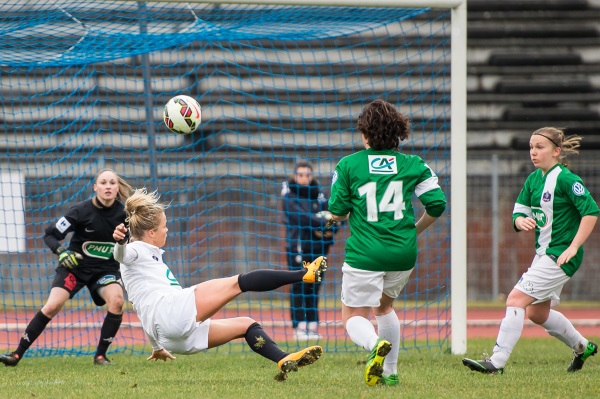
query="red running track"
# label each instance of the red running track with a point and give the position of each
(82, 328)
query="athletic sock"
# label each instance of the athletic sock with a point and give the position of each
(361, 332)
(510, 332)
(35, 327)
(260, 342)
(109, 330)
(262, 280)
(388, 328)
(560, 327)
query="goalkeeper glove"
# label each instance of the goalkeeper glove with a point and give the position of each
(68, 259)
(324, 215)
(125, 239)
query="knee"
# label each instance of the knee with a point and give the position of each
(51, 309)
(383, 310)
(115, 303)
(244, 324)
(511, 300)
(349, 313)
(237, 286)
(247, 321)
(518, 299)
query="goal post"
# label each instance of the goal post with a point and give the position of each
(82, 87)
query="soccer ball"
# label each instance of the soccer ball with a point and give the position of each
(182, 114)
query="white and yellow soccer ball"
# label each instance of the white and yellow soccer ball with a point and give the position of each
(182, 114)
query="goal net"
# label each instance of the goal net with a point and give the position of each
(83, 85)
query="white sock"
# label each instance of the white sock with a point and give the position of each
(301, 327)
(362, 332)
(560, 327)
(510, 332)
(389, 329)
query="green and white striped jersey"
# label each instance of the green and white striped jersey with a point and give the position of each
(556, 201)
(376, 188)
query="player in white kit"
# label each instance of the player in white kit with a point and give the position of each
(178, 319)
(556, 205)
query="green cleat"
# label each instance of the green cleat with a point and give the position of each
(579, 358)
(390, 380)
(374, 368)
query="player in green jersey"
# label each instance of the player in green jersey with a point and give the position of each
(373, 189)
(555, 203)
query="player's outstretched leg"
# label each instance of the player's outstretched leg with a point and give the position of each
(482, 366)
(314, 269)
(374, 368)
(262, 280)
(579, 358)
(298, 359)
(10, 359)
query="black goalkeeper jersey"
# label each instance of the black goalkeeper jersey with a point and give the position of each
(92, 229)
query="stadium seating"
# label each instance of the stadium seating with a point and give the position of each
(533, 64)
(530, 63)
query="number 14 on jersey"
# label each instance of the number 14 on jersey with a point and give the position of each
(392, 200)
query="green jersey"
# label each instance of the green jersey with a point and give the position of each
(557, 201)
(376, 188)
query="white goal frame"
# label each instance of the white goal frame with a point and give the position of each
(458, 141)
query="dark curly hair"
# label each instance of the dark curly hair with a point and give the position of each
(383, 125)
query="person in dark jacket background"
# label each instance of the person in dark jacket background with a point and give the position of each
(305, 215)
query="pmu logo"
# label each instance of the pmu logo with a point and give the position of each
(382, 165)
(100, 250)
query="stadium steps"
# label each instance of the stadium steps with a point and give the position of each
(528, 5)
(526, 60)
(532, 64)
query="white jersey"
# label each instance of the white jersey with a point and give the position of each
(147, 279)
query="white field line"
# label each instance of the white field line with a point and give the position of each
(335, 323)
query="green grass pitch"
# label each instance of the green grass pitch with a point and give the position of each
(537, 369)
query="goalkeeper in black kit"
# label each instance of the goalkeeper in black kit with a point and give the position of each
(87, 261)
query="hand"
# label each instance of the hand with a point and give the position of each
(121, 234)
(335, 219)
(162, 354)
(526, 224)
(567, 255)
(68, 259)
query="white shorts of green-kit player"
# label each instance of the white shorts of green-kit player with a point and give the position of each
(543, 280)
(363, 288)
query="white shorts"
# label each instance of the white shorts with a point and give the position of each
(363, 288)
(543, 280)
(175, 325)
